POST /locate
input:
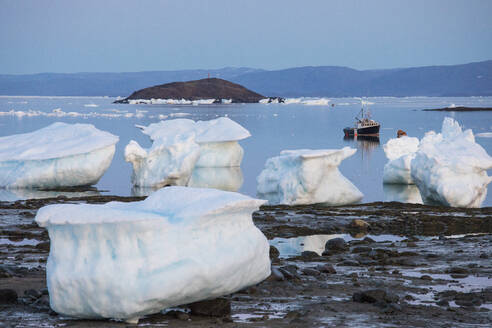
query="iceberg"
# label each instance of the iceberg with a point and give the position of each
(400, 153)
(59, 155)
(305, 176)
(450, 168)
(126, 260)
(180, 145)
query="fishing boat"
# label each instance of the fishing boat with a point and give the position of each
(364, 125)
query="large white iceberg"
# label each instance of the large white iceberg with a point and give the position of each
(126, 260)
(400, 153)
(450, 168)
(59, 155)
(180, 145)
(307, 176)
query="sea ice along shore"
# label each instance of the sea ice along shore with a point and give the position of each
(126, 260)
(180, 145)
(299, 177)
(59, 155)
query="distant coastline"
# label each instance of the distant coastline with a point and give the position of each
(474, 79)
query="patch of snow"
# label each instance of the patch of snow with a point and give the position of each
(451, 168)
(59, 155)
(307, 177)
(126, 260)
(91, 105)
(484, 135)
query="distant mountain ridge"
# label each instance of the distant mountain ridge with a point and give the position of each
(474, 79)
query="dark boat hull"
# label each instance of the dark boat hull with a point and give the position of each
(367, 131)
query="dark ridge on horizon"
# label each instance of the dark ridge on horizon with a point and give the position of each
(209, 88)
(473, 79)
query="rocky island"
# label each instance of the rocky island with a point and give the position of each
(204, 89)
(459, 109)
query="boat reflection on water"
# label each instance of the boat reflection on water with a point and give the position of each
(366, 144)
(223, 178)
(402, 193)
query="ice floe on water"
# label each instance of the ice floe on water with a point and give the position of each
(484, 135)
(308, 101)
(305, 176)
(451, 168)
(180, 145)
(58, 113)
(59, 155)
(178, 246)
(91, 105)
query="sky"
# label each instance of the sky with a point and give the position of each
(126, 36)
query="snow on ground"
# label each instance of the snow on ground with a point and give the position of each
(179, 245)
(400, 152)
(450, 168)
(307, 177)
(59, 155)
(180, 145)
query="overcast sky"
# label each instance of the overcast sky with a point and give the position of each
(123, 36)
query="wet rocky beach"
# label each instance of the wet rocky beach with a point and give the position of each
(366, 265)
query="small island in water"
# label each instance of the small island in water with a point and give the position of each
(204, 89)
(459, 109)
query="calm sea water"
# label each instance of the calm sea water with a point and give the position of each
(273, 127)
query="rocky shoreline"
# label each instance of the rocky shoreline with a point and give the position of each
(361, 265)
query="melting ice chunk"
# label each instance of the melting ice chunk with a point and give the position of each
(126, 260)
(400, 153)
(451, 168)
(307, 177)
(181, 145)
(59, 155)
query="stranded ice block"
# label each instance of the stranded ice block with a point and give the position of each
(59, 155)
(126, 260)
(450, 168)
(180, 145)
(306, 176)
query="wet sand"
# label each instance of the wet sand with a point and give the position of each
(384, 264)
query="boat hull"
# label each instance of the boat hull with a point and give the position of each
(366, 131)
